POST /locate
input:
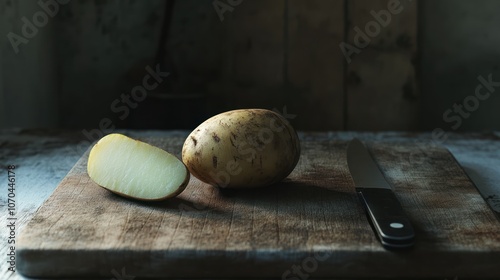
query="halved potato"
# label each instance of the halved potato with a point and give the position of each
(136, 169)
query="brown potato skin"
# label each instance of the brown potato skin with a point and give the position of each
(242, 149)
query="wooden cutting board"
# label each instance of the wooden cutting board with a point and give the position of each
(312, 224)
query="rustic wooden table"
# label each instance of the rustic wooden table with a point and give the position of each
(43, 157)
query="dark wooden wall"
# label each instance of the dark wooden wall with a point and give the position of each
(264, 53)
(286, 53)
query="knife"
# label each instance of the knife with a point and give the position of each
(382, 207)
(486, 186)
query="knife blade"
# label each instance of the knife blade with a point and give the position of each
(392, 226)
(486, 187)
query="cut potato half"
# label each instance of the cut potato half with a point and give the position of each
(136, 169)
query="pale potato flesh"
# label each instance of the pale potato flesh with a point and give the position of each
(136, 169)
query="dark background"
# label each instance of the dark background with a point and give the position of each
(75, 69)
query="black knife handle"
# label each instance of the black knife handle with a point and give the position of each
(388, 218)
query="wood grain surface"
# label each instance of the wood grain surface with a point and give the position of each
(310, 224)
(42, 159)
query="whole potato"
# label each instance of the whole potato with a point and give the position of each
(242, 149)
